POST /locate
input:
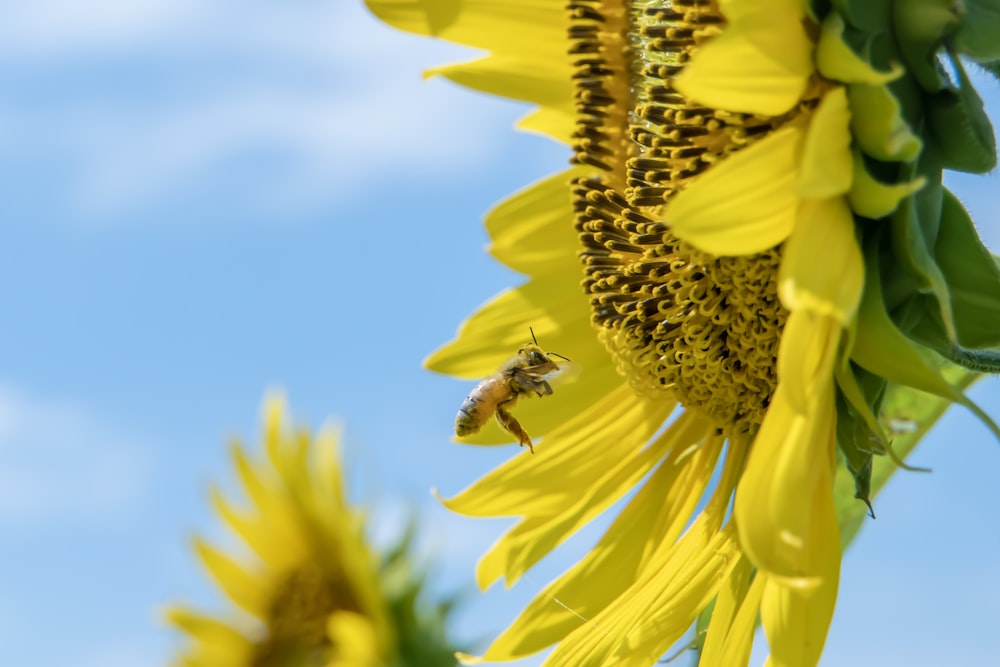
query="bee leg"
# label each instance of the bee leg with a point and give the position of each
(526, 384)
(512, 426)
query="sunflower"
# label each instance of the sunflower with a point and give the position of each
(311, 593)
(769, 261)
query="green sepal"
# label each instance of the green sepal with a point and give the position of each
(870, 197)
(850, 56)
(857, 462)
(920, 26)
(958, 121)
(908, 415)
(972, 275)
(421, 622)
(978, 35)
(853, 440)
(878, 126)
(973, 280)
(870, 15)
(880, 347)
(863, 408)
(915, 227)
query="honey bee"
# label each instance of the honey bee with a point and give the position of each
(496, 395)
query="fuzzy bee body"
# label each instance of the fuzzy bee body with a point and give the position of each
(495, 395)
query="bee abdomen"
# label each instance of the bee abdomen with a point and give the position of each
(469, 419)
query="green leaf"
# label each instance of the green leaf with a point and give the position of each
(958, 121)
(978, 35)
(972, 275)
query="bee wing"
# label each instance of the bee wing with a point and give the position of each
(568, 372)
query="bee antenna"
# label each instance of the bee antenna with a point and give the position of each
(533, 335)
(556, 354)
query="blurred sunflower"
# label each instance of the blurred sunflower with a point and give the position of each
(312, 594)
(767, 252)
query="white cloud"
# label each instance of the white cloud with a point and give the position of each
(149, 101)
(59, 462)
(54, 29)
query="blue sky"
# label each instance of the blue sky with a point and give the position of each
(205, 200)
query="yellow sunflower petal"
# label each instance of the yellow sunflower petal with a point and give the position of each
(827, 164)
(760, 64)
(545, 83)
(744, 204)
(659, 607)
(822, 269)
(536, 27)
(216, 644)
(734, 647)
(658, 513)
(517, 488)
(354, 640)
(526, 543)
(531, 230)
(494, 333)
(242, 586)
(553, 123)
(792, 453)
(796, 620)
(258, 534)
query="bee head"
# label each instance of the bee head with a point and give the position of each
(533, 355)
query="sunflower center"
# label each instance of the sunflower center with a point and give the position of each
(297, 620)
(680, 322)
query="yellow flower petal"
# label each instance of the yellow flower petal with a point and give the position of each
(792, 454)
(544, 83)
(515, 488)
(659, 513)
(659, 607)
(530, 540)
(823, 270)
(827, 164)
(553, 123)
(730, 632)
(215, 644)
(744, 204)
(531, 230)
(760, 64)
(535, 27)
(796, 620)
(354, 641)
(259, 535)
(242, 586)
(554, 309)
